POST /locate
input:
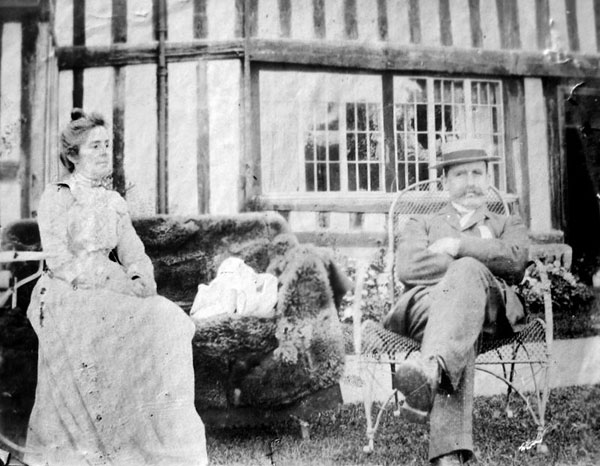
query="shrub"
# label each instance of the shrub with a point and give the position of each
(572, 301)
(375, 302)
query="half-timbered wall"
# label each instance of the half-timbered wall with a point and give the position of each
(109, 55)
(28, 74)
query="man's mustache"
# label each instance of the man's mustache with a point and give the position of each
(475, 191)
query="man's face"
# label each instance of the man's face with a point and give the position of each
(467, 183)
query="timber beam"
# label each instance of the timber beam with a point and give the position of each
(346, 54)
(123, 54)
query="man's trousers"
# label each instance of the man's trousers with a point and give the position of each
(448, 318)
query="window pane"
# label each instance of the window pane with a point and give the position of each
(400, 153)
(321, 177)
(374, 177)
(309, 148)
(421, 118)
(334, 177)
(321, 149)
(374, 147)
(334, 151)
(373, 117)
(310, 177)
(459, 94)
(362, 147)
(494, 119)
(351, 147)
(361, 115)
(401, 180)
(350, 120)
(352, 177)
(333, 116)
(423, 171)
(412, 173)
(363, 177)
(484, 93)
(399, 114)
(301, 115)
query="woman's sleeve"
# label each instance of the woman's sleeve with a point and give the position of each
(131, 251)
(53, 218)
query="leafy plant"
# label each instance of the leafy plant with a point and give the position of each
(375, 298)
(572, 300)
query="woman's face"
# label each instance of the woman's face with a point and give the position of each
(95, 154)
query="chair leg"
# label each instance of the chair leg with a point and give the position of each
(507, 409)
(368, 382)
(396, 400)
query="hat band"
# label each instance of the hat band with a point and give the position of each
(464, 154)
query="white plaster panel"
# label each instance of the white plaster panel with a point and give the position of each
(98, 89)
(367, 15)
(302, 20)
(139, 21)
(460, 19)
(10, 201)
(537, 152)
(224, 135)
(374, 223)
(63, 22)
(98, 23)
(183, 138)
(586, 26)
(398, 24)
(302, 221)
(339, 222)
(429, 13)
(140, 159)
(180, 20)
(221, 18)
(527, 24)
(65, 105)
(10, 91)
(490, 28)
(268, 19)
(334, 20)
(558, 25)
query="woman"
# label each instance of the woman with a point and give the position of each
(115, 375)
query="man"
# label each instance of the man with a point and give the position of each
(457, 265)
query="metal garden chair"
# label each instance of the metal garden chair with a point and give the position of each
(9, 283)
(381, 349)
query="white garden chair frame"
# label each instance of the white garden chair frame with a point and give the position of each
(377, 347)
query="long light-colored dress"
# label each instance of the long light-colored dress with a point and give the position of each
(115, 374)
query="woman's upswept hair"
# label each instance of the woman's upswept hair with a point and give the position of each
(75, 133)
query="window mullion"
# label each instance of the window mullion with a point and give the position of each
(469, 108)
(343, 149)
(431, 128)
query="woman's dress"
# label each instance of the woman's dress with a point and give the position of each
(115, 374)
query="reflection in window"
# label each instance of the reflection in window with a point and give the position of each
(428, 112)
(324, 132)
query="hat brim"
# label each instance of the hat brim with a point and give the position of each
(459, 160)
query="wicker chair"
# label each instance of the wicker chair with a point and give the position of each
(381, 349)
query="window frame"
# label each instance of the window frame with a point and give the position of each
(373, 201)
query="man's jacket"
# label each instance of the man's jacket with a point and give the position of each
(499, 242)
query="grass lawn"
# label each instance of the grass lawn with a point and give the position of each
(337, 437)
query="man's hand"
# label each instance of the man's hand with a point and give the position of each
(445, 246)
(141, 288)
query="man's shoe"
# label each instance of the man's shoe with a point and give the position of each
(453, 459)
(418, 380)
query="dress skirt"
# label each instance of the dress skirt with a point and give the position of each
(115, 380)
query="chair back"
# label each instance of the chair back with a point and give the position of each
(422, 199)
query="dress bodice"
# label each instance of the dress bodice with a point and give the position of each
(79, 226)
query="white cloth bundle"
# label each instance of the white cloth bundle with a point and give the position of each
(237, 288)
